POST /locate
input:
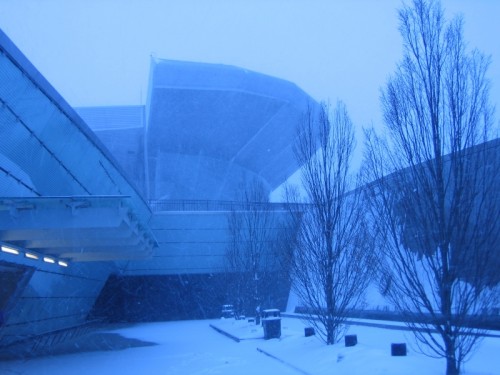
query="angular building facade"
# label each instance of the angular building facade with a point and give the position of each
(206, 131)
(67, 210)
(206, 134)
(121, 213)
(127, 213)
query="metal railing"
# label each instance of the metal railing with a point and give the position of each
(213, 205)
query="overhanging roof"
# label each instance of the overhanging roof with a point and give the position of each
(225, 113)
(84, 228)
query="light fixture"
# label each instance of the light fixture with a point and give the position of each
(10, 250)
(31, 256)
(34, 256)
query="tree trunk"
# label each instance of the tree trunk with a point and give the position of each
(451, 362)
(330, 328)
(330, 302)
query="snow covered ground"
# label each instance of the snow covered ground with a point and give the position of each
(193, 347)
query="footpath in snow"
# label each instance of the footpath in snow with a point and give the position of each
(194, 347)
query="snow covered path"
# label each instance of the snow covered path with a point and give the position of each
(194, 348)
(182, 348)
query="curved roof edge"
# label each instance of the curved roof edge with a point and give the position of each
(228, 69)
(188, 77)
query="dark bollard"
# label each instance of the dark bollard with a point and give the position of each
(257, 320)
(272, 328)
(398, 350)
(309, 331)
(351, 340)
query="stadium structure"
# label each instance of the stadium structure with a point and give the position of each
(121, 213)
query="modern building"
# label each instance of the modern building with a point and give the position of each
(206, 133)
(121, 213)
(67, 210)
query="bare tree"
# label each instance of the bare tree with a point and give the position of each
(257, 252)
(331, 264)
(433, 205)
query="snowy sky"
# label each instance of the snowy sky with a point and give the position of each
(97, 52)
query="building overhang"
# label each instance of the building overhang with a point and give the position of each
(222, 120)
(76, 229)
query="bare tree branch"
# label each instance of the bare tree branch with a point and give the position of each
(257, 257)
(433, 206)
(331, 265)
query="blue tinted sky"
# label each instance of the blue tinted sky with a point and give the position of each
(97, 52)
